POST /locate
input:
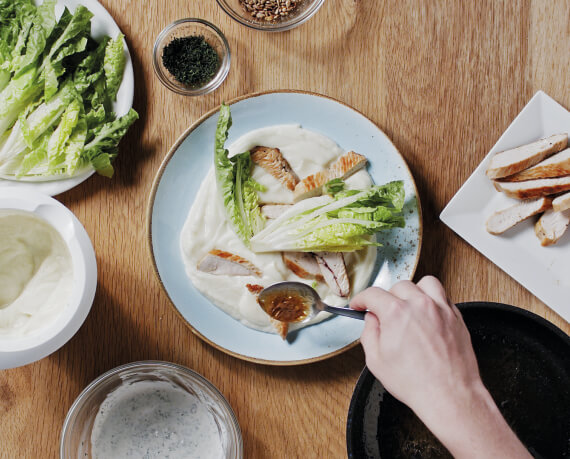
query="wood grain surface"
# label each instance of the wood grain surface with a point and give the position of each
(443, 79)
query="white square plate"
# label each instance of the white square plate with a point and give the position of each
(544, 271)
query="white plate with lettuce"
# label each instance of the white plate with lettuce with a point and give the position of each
(176, 187)
(66, 92)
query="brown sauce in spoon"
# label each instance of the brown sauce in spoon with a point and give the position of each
(285, 307)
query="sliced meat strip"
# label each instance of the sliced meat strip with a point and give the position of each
(504, 219)
(219, 262)
(273, 162)
(334, 272)
(311, 185)
(510, 162)
(303, 264)
(272, 211)
(534, 188)
(551, 226)
(557, 165)
(346, 165)
(343, 167)
(561, 202)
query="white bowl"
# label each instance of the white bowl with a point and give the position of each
(18, 351)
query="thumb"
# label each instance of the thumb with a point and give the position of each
(370, 337)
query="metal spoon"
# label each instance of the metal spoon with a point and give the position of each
(298, 302)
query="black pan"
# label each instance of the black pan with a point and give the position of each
(524, 362)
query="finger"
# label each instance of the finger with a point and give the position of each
(406, 290)
(370, 336)
(433, 288)
(374, 299)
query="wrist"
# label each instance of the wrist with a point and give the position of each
(470, 425)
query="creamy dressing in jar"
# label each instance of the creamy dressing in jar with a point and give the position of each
(36, 274)
(207, 228)
(156, 419)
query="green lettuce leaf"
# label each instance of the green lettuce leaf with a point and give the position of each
(343, 223)
(103, 147)
(334, 186)
(42, 25)
(16, 96)
(27, 129)
(74, 148)
(34, 158)
(48, 113)
(90, 69)
(114, 66)
(72, 39)
(60, 137)
(237, 189)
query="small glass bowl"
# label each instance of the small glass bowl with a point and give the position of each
(185, 28)
(79, 423)
(304, 10)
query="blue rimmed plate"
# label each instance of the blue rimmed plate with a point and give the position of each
(179, 179)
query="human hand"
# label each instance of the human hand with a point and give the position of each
(418, 346)
(416, 343)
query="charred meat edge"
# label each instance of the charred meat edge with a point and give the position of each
(343, 167)
(303, 264)
(272, 160)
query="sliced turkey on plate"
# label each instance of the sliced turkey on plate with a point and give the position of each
(561, 202)
(504, 219)
(551, 226)
(510, 162)
(534, 188)
(557, 165)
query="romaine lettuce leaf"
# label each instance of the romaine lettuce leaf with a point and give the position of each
(236, 188)
(74, 149)
(41, 26)
(114, 66)
(16, 96)
(343, 223)
(61, 135)
(103, 147)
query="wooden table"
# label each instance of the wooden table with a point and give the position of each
(443, 79)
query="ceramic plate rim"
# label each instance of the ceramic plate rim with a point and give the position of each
(149, 234)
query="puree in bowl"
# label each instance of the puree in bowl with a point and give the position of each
(36, 273)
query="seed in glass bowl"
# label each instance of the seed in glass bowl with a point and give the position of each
(269, 10)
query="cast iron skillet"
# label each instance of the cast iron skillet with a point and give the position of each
(524, 362)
